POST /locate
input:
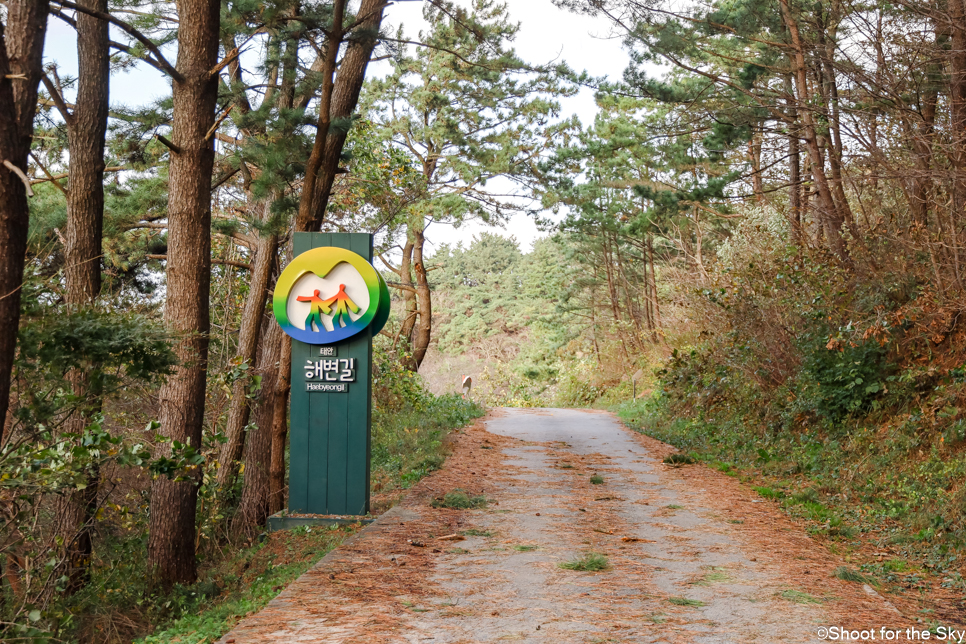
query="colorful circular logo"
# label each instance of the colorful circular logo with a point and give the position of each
(328, 294)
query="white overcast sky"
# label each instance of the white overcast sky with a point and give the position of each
(546, 34)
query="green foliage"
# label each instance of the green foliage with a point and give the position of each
(469, 103)
(589, 562)
(597, 479)
(849, 377)
(480, 291)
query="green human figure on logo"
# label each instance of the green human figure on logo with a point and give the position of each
(315, 312)
(342, 307)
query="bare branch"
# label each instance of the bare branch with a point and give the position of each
(17, 171)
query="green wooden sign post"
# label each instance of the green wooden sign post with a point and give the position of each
(331, 410)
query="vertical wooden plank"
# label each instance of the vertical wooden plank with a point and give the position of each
(338, 452)
(318, 452)
(357, 483)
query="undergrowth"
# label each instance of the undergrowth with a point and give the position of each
(242, 584)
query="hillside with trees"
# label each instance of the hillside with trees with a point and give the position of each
(760, 234)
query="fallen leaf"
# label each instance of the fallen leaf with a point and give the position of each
(452, 537)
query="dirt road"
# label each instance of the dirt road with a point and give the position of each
(691, 555)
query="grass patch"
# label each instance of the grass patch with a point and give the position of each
(597, 479)
(724, 468)
(590, 562)
(715, 575)
(768, 492)
(407, 439)
(474, 532)
(799, 597)
(684, 601)
(674, 506)
(459, 499)
(245, 583)
(850, 574)
(680, 459)
(457, 551)
(566, 466)
(525, 548)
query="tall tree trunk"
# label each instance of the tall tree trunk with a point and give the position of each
(410, 309)
(256, 497)
(832, 218)
(424, 299)
(339, 97)
(274, 344)
(283, 387)
(21, 59)
(794, 168)
(922, 145)
(657, 307)
(754, 156)
(239, 410)
(86, 130)
(957, 114)
(323, 165)
(171, 543)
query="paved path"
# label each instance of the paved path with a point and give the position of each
(692, 556)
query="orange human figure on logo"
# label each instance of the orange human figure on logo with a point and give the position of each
(318, 307)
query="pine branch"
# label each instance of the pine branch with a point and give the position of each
(226, 262)
(167, 143)
(50, 177)
(57, 96)
(131, 31)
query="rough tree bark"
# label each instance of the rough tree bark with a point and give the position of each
(256, 498)
(86, 131)
(424, 300)
(957, 117)
(794, 167)
(239, 411)
(21, 60)
(171, 543)
(338, 100)
(323, 164)
(832, 217)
